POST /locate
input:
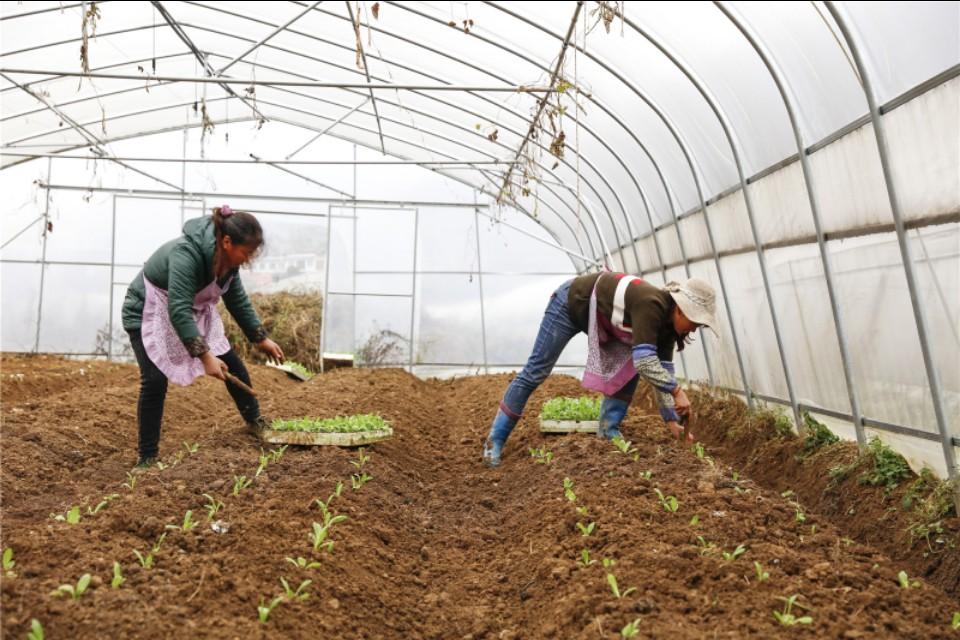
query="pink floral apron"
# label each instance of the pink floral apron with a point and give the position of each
(163, 344)
(609, 344)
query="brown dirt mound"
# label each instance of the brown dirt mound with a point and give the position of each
(436, 546)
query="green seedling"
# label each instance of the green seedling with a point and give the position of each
(8, 563)
(576, 409)
(799, 515)
(319, 538)
(786, 617)
(954, 624)
(264, 461)
(736, 476)
(300, 594)
(624, 446)
(609, 562)
(586, 530)
(328, 518)
(131, 480)
(264, 610)
(361, 460)
(92, 511)
(568, 490)
(72, 516)
(36, 630)
(736, 553)
(706, 547)
(188, 523)
(694, 521)
(213, 506)
(177, 459)
(631, 629)
(191, 448)
(303, 563)
(541, 455)
(339, 424)
(906, 583)
(240, 483)
(646, 475)
(357, 480)
(699, 450)
(612, 581)
(583, 511)
(159, 542)
(761, 574)
(74, 591)
(669, 503)
(161, 466)
(276, 454)
(585, 558)
(118, 578)
(146, 561)
(786, 494)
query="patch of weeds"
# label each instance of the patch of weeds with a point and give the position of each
(889, 467)
(818, 435)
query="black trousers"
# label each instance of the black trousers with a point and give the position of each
(153, 392)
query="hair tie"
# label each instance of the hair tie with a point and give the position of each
(226, 211)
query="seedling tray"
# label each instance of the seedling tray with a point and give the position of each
(569, 426)
(341, 431)
(290, 371)
(355, 439)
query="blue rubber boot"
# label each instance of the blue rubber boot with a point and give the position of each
(612, 412)
(499, 432)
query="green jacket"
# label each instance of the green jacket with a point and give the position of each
(183, 267)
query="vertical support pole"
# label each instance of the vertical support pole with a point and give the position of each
(413, 291)
(113, 264)
(483, 315)
(43, 256)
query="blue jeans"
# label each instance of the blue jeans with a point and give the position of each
(556, 330)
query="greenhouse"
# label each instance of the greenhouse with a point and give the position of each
(432, 251)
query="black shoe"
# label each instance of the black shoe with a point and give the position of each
(145, 462)
(257, 427)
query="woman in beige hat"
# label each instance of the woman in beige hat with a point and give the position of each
(632, 328)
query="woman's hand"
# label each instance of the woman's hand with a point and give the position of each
(682, 402)
(271, 348)
(213, 366)
(677, 430)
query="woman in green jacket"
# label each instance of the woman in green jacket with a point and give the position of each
(170, 313)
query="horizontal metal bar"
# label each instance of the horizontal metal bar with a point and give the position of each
(896, 102)
(466, 365)
(69, 263)
(372, 295)
(251, 196)
(280, 83)
(952, 217)
(867, 422)
(438, 272)
(20, 154)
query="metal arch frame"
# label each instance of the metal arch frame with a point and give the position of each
(561, 218)
(906, 257)
(401, 123)
(376, 113)
(790, 103)
(666, 188)
(537, 64)
(559, 245)
(734, 142)
(212, 80)
(432, 76)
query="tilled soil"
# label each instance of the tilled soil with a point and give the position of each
(435, 545)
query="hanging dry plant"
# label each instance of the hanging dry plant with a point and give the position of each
(605, 12)
(206, 124)
(356, 31)
(88, 28)
(375, 10)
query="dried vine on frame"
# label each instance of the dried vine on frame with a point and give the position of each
(90, 18)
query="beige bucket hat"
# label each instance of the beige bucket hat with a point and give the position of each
(697, 300)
